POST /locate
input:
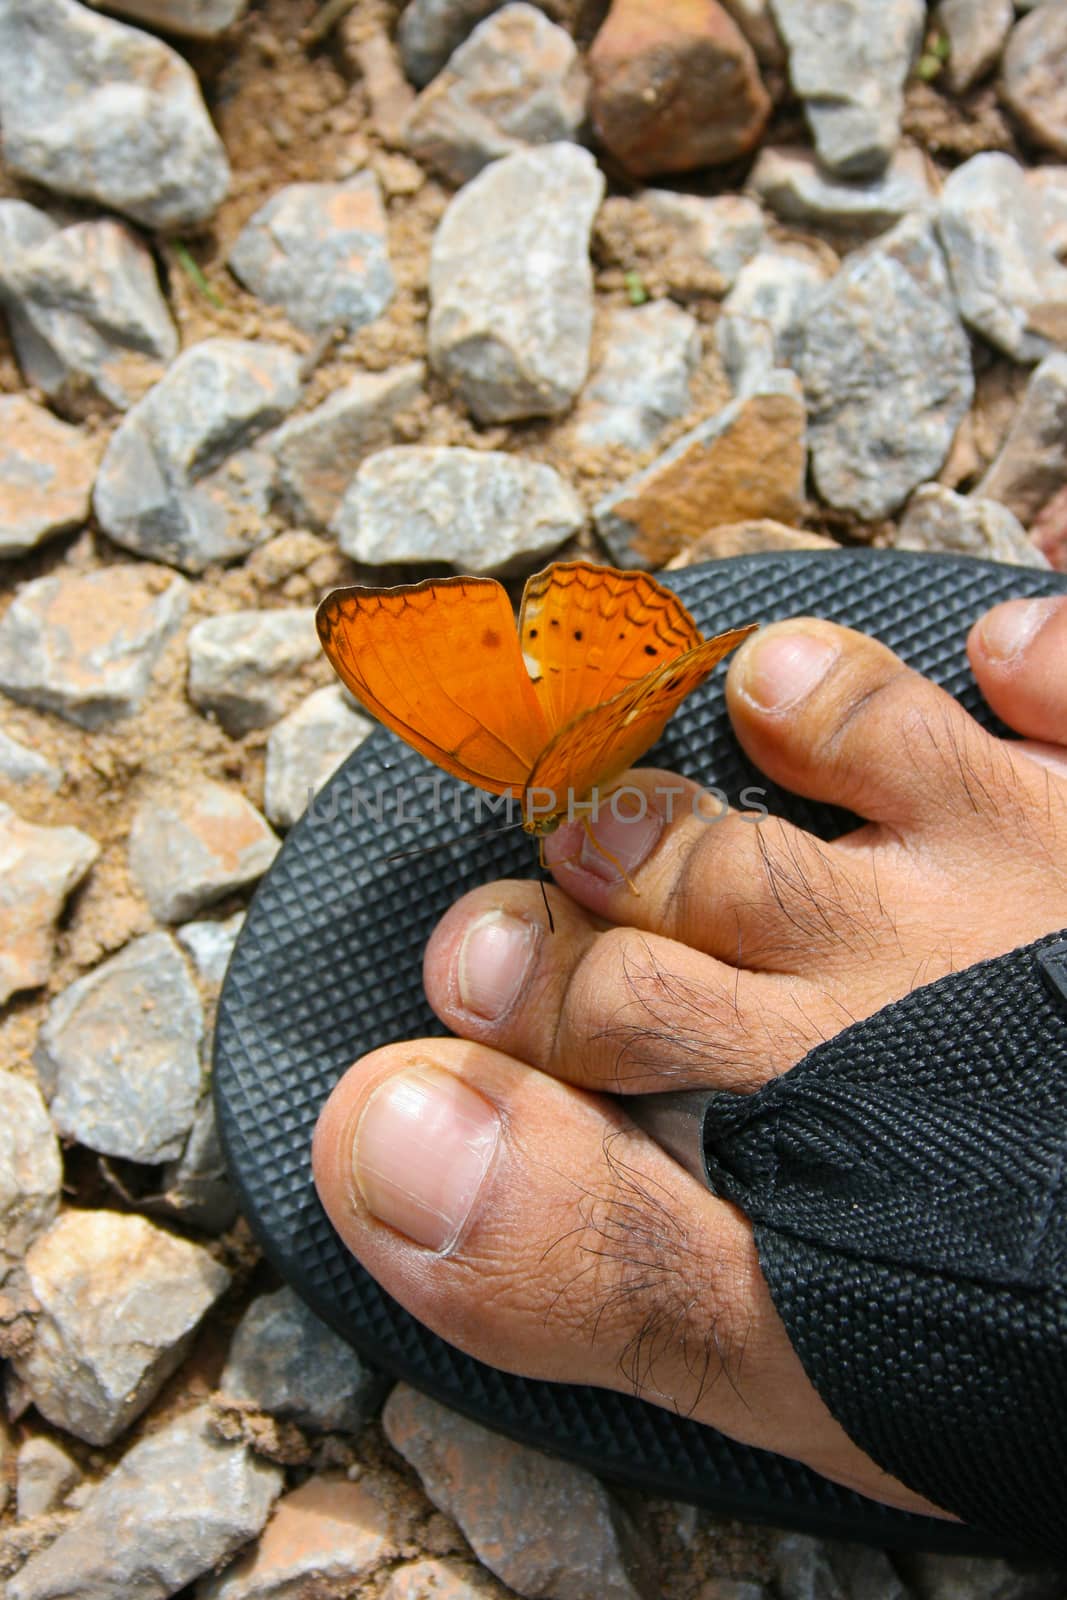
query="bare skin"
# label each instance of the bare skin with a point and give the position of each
(487, 1182)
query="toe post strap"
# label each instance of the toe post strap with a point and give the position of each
(907, 1183)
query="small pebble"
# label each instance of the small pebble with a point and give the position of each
(243, 666)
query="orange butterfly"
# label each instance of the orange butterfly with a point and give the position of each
(601, 661)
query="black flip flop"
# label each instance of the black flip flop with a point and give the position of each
(328, 966)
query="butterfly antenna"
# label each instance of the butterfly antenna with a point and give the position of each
(443, 844)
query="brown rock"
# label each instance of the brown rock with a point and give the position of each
(443, 1580)
(322, 1539)
(674, 86)
(749, 539)
(1034, 75)
(545, 1527)
(748, 461)
(389, 93)
(190, 847)
(46, 475)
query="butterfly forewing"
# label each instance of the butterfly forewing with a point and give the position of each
(439, 662)
(599, 745)
(588, 632)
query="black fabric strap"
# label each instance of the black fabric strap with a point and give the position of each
(907, 1183)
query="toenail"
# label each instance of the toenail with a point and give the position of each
(623, 840)
(421, 1150)
(782, 669)
(1007, 630)
(494, 959)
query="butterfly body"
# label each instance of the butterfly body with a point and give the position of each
(549, 713)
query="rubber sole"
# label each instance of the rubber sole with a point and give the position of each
(328, 966)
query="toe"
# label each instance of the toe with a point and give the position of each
(836, 716)
(532, 1226)
(1019, 655)
(617, 1010)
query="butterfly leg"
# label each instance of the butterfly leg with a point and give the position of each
(599, 848)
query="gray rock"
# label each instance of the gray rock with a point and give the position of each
(544, 1526)
(778, 288)
(865, 1574)
(848, 63)
(242, 665)
(120, 1301)
(746, 349)
(104, 112)
(179, 481)
(430, 30)
(790, 180)
(642, 380)
(178, 1504)
(31, 1170)
(935, 1577)
(323, 1539)
(196, 1188)
(976, 31)
(318, 453)
(516, 81)
(46, 475)
(195, 845)
(305, 749)
(21, 765)
(88, 320)
(938, 519)
(321, 252)
(714, 234)
(210, 944)
(1033, 79)
(197, 19)
(46, 1475)
(1049, 184)
(887, 373)
(802, 1569)
(86, 646)
(1009, 285)
(119, 1053)
(39, 868)
(1032, 463)
(480, 510)
(511, 287)
(288, 1363)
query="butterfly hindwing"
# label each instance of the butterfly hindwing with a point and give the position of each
(439, 662)
(588, 632)
(599, 745)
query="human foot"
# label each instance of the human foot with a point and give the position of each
(516, 1210)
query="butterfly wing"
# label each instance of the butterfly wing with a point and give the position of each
(439, 662)
(588, 632)
(598, 746)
